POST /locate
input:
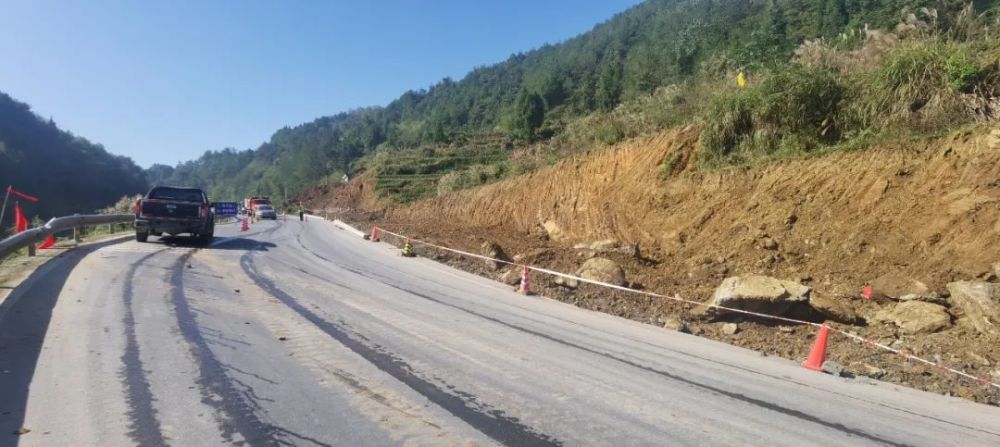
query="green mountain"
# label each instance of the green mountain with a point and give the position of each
(537, 95)
(67, 173)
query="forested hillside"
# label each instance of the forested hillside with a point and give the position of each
(538, 95)
(67, 173)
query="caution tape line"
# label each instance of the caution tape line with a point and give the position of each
(864, 341)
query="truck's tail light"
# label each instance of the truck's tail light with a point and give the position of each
(138, 208)
(203, 211)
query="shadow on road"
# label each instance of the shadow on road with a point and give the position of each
(24, 320)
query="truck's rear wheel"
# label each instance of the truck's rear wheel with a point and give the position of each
(141, 236)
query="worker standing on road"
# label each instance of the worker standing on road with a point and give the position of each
(302, 212)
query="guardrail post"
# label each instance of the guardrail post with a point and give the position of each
(111, 228)
(31, 249)
(76, 234)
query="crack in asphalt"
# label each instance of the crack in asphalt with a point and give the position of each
(491, 422)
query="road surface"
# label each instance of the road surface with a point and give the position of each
(304, 334)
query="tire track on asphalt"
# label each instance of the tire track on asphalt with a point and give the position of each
(491, 422)
(144, 426)
(235, 407)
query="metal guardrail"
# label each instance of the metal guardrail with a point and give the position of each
(30, 237)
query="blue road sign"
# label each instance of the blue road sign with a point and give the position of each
(227, 208)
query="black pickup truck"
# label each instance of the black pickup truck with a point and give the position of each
(171, 210)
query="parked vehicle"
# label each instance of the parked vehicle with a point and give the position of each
(252, 202)
(172, 210)
(266, 212)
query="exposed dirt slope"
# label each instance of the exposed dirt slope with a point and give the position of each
(927, 210)
(930, 211)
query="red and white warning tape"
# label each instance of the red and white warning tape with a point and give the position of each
(864, 341)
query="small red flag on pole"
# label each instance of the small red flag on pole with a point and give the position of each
(11, 190)
(20, 222)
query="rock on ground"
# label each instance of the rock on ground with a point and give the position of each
(603, 270)
(893, 286)
(916, 317)
(568, 283)
(930, 298)
(833, 308)
(554, 231)
(833, 368)
(675, 324)
(605, 245)
(493, 250)
(511, 277)
(760, 294)
(730, 328)
(979, 302)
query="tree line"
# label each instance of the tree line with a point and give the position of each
(68, 173)
(533, 95)
(529, 96)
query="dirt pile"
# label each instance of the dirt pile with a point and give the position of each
(927, 212)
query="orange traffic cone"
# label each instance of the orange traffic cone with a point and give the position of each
(374, 236)
(525, 288)
(818, 354)
(246, 225)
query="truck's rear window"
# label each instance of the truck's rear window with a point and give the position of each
(180, 194)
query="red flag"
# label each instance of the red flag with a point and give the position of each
(49, 242)
(11, 190)
(20, 222)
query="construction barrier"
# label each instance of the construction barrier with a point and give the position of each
(525, 287)
(816, 357)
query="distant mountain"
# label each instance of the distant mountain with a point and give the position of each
(533, 95)
(67, 173)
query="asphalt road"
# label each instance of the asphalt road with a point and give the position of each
(303, 334)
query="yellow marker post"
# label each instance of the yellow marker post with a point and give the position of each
(741, 80)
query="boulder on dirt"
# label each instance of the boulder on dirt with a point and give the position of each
(894, 285)
(493, 250)
(833, 308)
(768, 243)
(553, 230)
(930, 298)
(730, 328)
(868, 369)
(916, 317)
(979, 302)
(568, 283)
(761, 294)
(675, 324)
(511, 277)
(605, 245)
(603, 270)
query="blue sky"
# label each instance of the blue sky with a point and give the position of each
(164, 81)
